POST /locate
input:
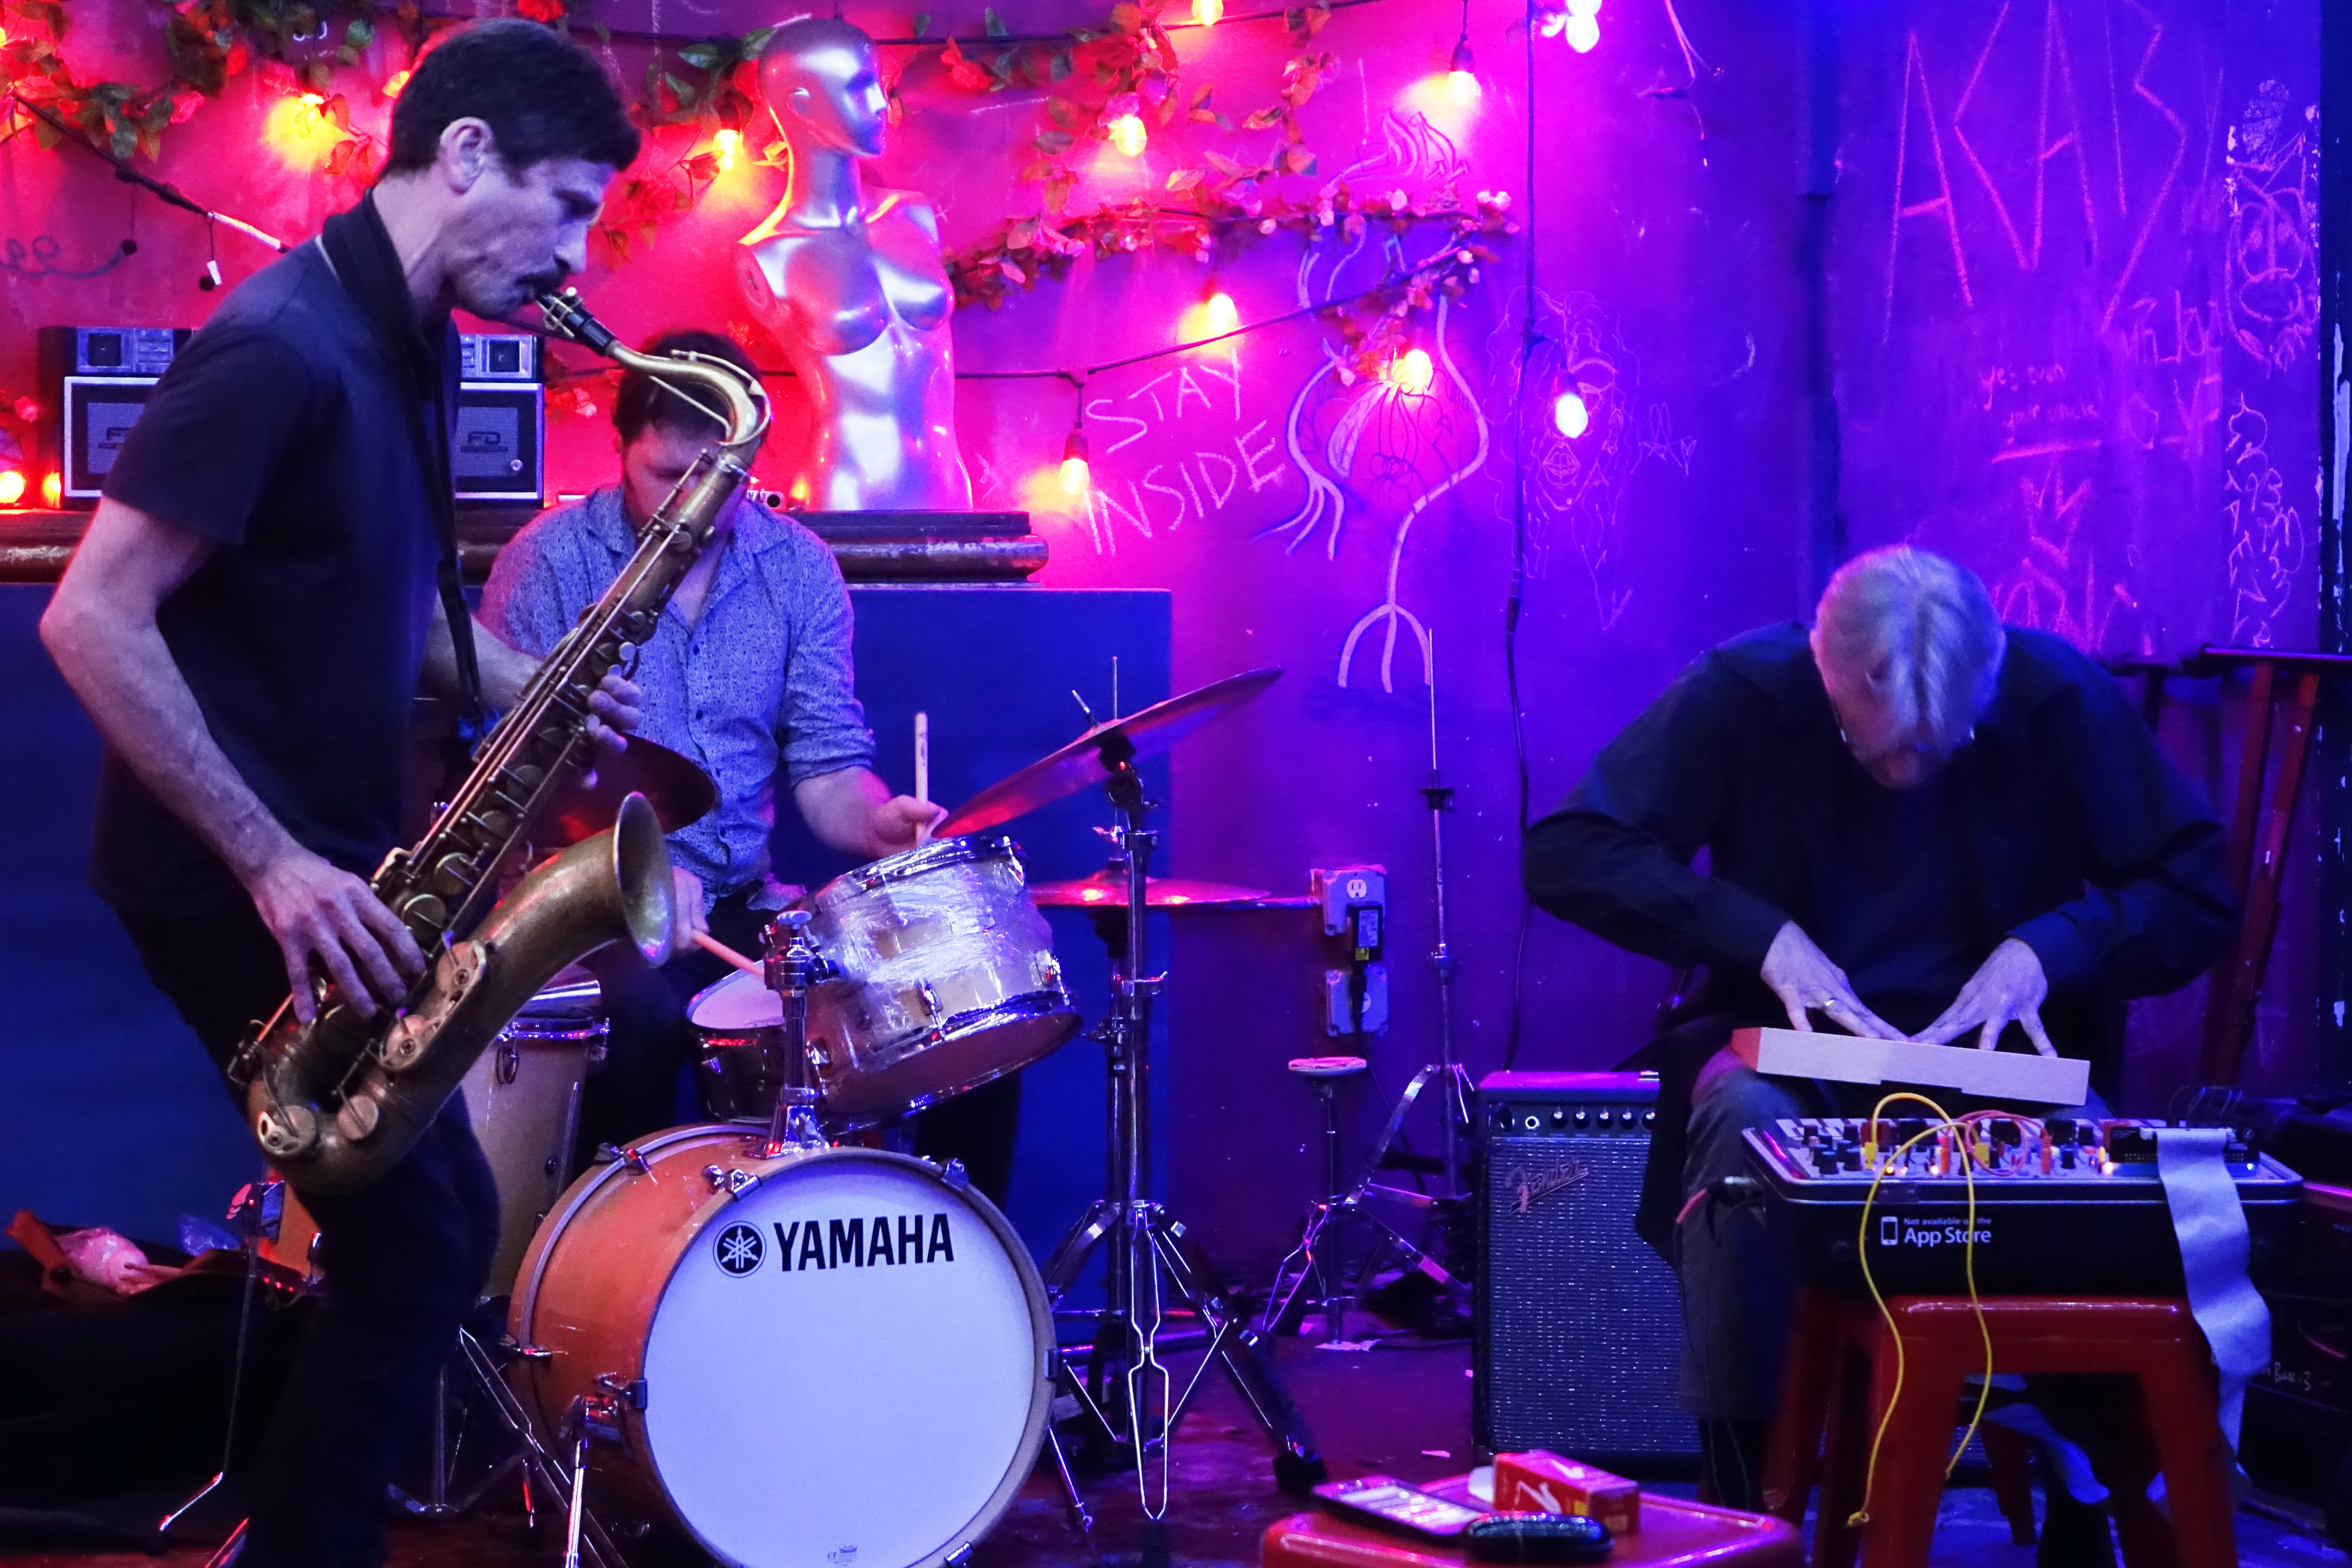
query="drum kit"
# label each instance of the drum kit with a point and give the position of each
(791, 1347)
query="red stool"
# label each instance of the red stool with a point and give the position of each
(1829, 1416)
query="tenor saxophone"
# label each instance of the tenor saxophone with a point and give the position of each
(335, 1103)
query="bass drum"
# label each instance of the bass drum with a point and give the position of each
(833, 1357)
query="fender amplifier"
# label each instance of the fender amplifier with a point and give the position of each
(1577, 1340)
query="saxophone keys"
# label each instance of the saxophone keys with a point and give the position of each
(358, 1117)
(424, 911)
(286, 1132)
(406, 1044)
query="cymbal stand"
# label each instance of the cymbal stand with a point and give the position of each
(1446, 1072)
(1150, 1262)
(1453, 1087)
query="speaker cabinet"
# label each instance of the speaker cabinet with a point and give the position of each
(1578, 1339)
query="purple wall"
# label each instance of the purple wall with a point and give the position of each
(2110, 419)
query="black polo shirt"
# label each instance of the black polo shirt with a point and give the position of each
(282, 434)
(2061, 824)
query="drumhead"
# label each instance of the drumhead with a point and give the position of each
(736, 1004)
(847, 1365)
(936, 856)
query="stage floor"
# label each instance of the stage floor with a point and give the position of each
(1404, 1411)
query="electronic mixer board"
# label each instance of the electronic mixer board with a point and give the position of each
(2061, 1205)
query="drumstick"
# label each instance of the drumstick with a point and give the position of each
(717, 948)
(923, 771)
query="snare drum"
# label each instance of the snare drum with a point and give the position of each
(833, 1357)
(941, 977)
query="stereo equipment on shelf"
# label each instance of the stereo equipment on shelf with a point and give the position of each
(95, 381)
(497, 451)
(1577, 1337)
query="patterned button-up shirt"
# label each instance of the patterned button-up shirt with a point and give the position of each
(760, 685)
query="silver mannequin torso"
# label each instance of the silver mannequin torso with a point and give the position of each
(862, 312)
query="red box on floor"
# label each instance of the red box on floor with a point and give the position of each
(1540, 1481)
(1674, 1534)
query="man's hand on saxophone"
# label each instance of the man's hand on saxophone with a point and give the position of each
(322, 914)
(614, 707)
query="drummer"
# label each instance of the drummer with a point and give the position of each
(749, 674)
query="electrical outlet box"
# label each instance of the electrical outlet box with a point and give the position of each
(1337, 1019)
(1343, 887)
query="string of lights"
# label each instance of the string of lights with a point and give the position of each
(1206, 13)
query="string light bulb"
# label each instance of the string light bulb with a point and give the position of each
(727, 142)
(1218, 315)
(12, 487)
(1208, 13)
(1462, 76)
(1580, 26)
(1411, 372)
(394, 83)
(1077, 477)
(1569, 416)
(53, 488)
(1127, 133)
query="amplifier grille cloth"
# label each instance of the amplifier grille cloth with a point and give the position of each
(1578, 1334)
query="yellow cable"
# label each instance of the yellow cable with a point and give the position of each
(1861, 1516)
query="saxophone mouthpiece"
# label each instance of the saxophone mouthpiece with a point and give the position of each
(567, 317)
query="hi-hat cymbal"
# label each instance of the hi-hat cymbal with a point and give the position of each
(1107, 889)
(679, 793)
(1080, 764)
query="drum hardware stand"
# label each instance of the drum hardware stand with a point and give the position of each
(1453, 1082)
(794, 966)
(255, 1211)
(1127, 1390)
(530, 1461)
(1446, 1071)
(564, 1480)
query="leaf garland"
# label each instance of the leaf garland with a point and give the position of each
(712, 86)
(210, 43)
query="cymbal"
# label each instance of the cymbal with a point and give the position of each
(679, 791)
(1079, 764)
(1107, 889)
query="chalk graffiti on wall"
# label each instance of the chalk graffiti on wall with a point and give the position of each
(2268, 545)
(2048, 451)
(2272, 275)
(1576, 484)
(2082, 235)
(1190, 485)
(2013, 179)
(1390, 615)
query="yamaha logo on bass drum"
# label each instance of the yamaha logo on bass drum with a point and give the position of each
(802, 1246)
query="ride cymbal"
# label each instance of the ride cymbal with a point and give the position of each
(1080, 764)
(677, 790)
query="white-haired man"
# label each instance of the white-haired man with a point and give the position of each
(1918, 825)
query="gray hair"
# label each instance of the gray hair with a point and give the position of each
(1920, 633)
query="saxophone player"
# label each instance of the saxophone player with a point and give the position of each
(247, 619)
